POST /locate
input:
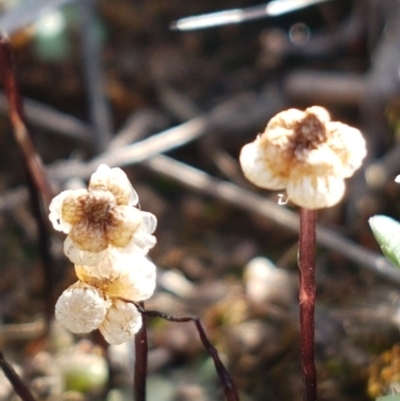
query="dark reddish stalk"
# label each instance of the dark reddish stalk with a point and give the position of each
(39, 189)
(307, 242)
(19, 386)
(141, 350)
(15, 110)
(230, 390)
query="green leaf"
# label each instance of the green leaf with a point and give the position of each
(390, 397)
(387, 233)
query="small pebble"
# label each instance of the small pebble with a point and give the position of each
(268, 284)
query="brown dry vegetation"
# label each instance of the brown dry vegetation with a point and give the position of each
(227, 82)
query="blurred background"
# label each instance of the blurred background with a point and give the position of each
(109, 81)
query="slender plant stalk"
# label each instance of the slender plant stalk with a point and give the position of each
(19, 386)
(307, 244)
(38, 185)
(16, 114)
(230, 390)
(141, 350)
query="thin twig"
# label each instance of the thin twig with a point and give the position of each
(244, 199)
(230, 390)
(326, 88)
(91, 49)
(19, 386)
(141, 353)
(307, 243)
(158, 143)
(234, 195)
(41, 115)
(140, 124)
(16, 114)
(235, 115)
(23, 331)
(200, 181)
(39, 188)
(241, 198)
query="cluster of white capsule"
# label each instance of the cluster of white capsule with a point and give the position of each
(108, 239)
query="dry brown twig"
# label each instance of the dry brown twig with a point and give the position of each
(246, 200)
(148, 151)
(40, 192)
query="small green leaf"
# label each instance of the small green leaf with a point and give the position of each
(387, 233)
(390, 397)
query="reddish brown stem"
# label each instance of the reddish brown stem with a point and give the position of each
(141, 350)
(19, 386)
(307, 243)
(230, 390)
(22, 136)
(38, 184)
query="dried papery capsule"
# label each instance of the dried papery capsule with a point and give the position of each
(104, 301)
(115, 181)
(306, 154)
(81, 308)
(108, 239)
(102, 218)
(135, 281)
(121, 323)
